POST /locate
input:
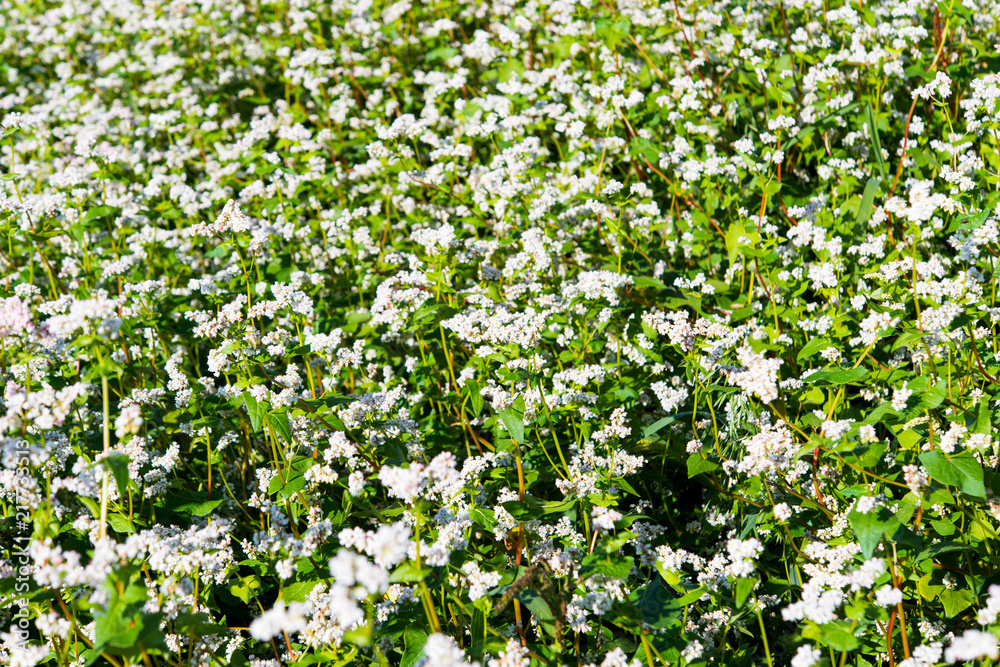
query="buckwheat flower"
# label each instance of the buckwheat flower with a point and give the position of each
(15, 317)
(514, 655)
(939, 87)
(744, 145)
(988, 614)
(279, 619)
(612, 187)
(926, 655)
(231, 218)
(285, 568)
(618, 658)
(358, 573)
(355, 483)
(760, 376)
(742, 554)
(670, 397)
(900, 397)
(692, 651)
(782, 512)
(888, 596)
(12, 119)
(816, 605)
(479, 582)
(604, 519)
(873, 326)
(931, 630)
(866, 575)
(129, 421)
(865, 504)
(806, 656)
(972, 645)
(389, 544)
(866, 434)
(442, 651)
(915, 477)
(20, 654)
(835, 429)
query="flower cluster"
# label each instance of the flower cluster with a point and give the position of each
(504, 333)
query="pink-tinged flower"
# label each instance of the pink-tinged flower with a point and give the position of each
(15, 317)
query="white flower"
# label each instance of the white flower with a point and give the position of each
(612, 187)
(279, 619)
(806, 656)
(972, 645)
(604, 519)
(988, 614)
(129, 421)
(760, 376)
(389, 544)
(442, 651)
(888, 596)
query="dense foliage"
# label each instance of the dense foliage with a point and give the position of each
(530, 332)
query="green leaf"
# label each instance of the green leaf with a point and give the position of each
(867, 201)
(644, 282)
(257, 410)
(613, 567)
(963, 471)
(644, 148)
(279, 422)
(475, 397)
(874, 138)
(838, 636)
(812, 347)
(245, 587)
(934, 396)
(658, 425)
(879, 413)
(118, 465)
(871, 526)
(521, 511)
(945, 528)
(733, 235)
(613, 33)
(743, 590)
(120, 523)
(928, 589)
(292, 485)
(955, 601)
(190, 503)
(658, 604)
(983, 421)
(940, 548)
(409, 573)
(909, 439)
(414, 637)
(838, 377)
(697, 464)
(513, 419)
(99, 212)
(969, 222)
(537, 605)
(298, 591)
(91, 505)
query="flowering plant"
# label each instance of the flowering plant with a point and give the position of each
(512, 333)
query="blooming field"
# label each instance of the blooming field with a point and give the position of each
(531, 332)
